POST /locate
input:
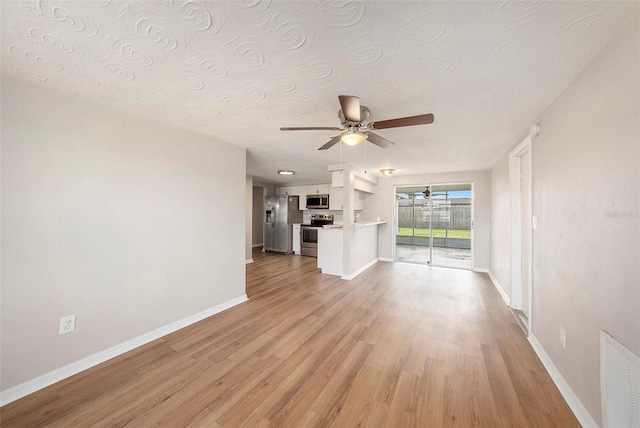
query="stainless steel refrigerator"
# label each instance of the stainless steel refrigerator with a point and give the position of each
(280, 214)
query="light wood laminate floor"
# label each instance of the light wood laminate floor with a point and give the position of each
(400, 346)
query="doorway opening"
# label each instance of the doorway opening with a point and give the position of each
(434, 225)
(521, 221)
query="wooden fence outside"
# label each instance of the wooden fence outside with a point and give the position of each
(452, 217)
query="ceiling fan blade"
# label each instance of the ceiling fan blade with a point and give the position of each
(378, 140)
(350, 107)
(422, 119)
(331, 143)
(312, 128)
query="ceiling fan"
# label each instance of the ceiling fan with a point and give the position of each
(355, 128)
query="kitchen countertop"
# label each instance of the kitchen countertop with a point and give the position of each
(355, 225)
(368, 223)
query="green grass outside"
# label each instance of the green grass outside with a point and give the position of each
(437, 233)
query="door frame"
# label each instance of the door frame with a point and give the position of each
(515, 232)
(448, 183)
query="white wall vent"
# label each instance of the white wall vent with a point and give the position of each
(619, 384)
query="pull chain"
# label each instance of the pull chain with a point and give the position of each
(365, 156)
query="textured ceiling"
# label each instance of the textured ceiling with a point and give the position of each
(239, 70)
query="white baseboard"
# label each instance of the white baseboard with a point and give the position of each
(359, 271)
(14, 393)
(570, 397)
(481, 270)
(501, 290)
(256, 245)
(385, 259)
(247, 261)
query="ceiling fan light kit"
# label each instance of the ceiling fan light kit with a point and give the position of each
(355, 127)
(353, 138)
(387, 171)
(285, 172)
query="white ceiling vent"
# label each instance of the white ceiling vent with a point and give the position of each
(619, 383)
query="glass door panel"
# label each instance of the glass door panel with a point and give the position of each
(413, 225)
(451, 225)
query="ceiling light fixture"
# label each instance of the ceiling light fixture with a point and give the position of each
(387, 171)
(353, 138)
(285, 172)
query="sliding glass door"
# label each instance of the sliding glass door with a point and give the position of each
(434, 225)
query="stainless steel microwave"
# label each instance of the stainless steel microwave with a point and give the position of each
(320, 202)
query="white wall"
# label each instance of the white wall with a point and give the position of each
(586, 165)
(114, 218)
(381, 204)
(586, 195)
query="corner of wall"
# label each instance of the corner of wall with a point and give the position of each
(500, 289)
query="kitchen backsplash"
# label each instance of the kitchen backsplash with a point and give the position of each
(306, 215)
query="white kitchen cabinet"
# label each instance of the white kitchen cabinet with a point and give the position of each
(362, 185)
(335, 199)
(336, 179)
(318, 189)
(296, 238)
(287, 190)
(358, 183)
(303, 191)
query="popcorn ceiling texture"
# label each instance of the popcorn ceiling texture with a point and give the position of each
(239, 70)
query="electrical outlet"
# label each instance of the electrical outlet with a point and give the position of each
(563, 337)
(67, 324)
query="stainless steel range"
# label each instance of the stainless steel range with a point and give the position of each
(309, 234)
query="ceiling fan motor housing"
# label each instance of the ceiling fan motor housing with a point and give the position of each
(364, 115)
